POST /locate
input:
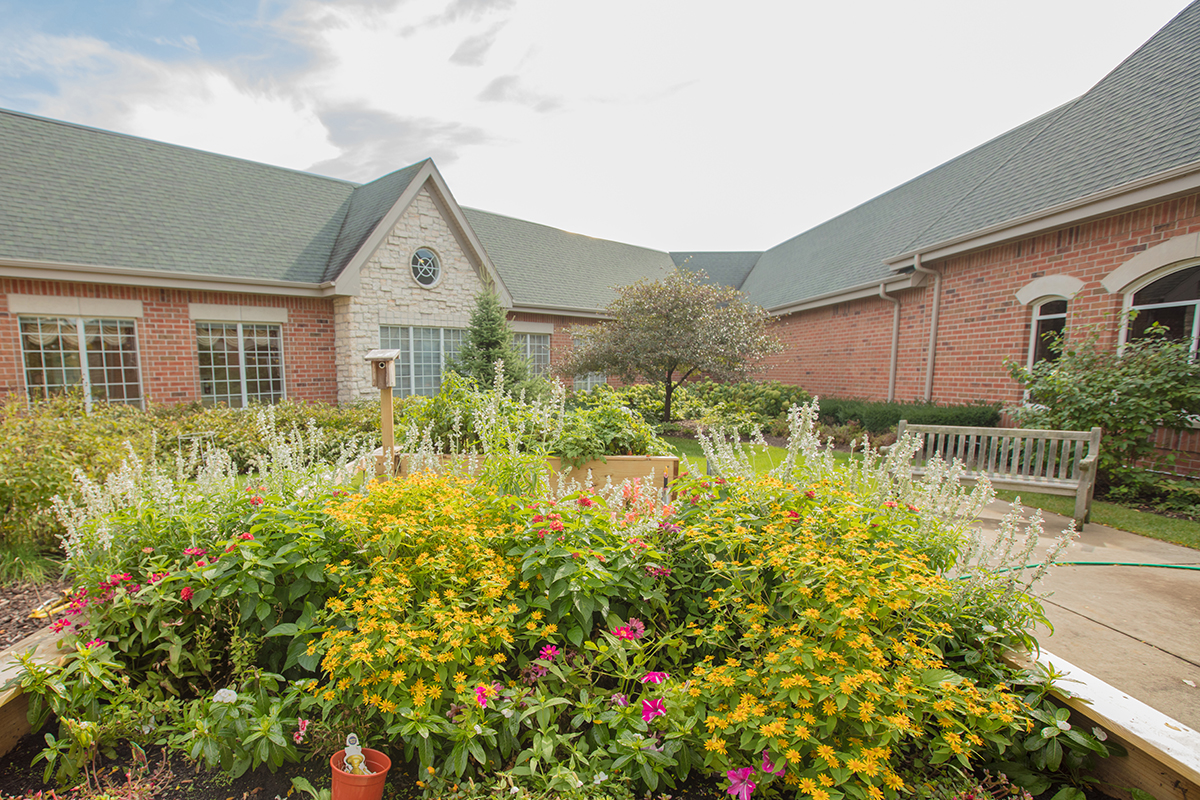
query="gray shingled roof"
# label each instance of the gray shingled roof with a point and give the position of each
(78, 195)
(368, 206)
(544, 266)
(1140, 120)
(722, 268)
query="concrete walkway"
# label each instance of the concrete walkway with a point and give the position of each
(1137, 628)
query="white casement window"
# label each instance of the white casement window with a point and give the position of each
(240, 363)
(1169, 301)
(536, 349)
(424, 353)
(1049, 316)
(99, 356)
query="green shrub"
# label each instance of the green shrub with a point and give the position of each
(1154, 382)
(879, 417)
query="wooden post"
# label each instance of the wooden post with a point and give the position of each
(384, 465)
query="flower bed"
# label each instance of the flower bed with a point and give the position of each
(801, 632)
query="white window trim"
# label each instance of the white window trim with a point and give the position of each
(1141, 283)
(1033, 324)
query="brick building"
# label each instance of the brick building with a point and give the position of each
(147, 271)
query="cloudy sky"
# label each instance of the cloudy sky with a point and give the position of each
(674, 124)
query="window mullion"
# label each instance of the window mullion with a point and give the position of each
(85, 372)
(242, 365)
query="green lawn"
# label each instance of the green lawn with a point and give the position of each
(1177, 531)
(763, 459)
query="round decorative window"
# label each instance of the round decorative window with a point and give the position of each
(425, 267)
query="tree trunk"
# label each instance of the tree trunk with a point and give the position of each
(667, 399)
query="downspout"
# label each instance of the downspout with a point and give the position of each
(933, 322)
(895, 340)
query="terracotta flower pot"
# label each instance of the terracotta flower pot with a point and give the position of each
(360, 787)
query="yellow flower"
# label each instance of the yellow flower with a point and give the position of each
(715, 745)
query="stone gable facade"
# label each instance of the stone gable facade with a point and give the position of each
(390, 295)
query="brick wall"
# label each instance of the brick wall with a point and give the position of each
(844, 350)
(167, 337)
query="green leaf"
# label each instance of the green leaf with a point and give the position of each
(283, 629)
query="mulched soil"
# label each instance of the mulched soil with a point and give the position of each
(17, 602)
(169, 775)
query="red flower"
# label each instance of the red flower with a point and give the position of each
(186, 593)
(246, 536)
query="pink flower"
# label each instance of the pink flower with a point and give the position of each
(655, 677)
(810, 494)
(624, 632)
(549, 652)
(619, 700)
(302, 726)
(231, 548)
(911, 507)
(482, 693)
(97, 643)
(537, 518)
(246, 536)
(740, 785)
(147, 549)
(586, 502)
(652, 709)
(58, 626)
(556, 526)
(889, 504)
(201, 563)
(256, 501)
(767, 766)
(186, 593)
(194, 551)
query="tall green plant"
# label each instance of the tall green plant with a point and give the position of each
(490, 339)
(1152, 382)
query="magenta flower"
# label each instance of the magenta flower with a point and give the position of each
(549, 652)
(619, 699)
(482, 693)
(624, 632)
(97, 643)
(652, 709)
(740, 785)
(767, 766)
(655, 677)
(194, 551)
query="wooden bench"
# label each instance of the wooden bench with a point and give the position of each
(1050, 462)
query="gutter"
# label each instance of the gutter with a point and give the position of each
(590, 313)
(862, 291)
(933, 321)
(128, 276)
(891, 395)
(1141, 192)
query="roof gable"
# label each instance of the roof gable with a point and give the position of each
(722, 268)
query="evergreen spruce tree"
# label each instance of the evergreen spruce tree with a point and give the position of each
(489, 339)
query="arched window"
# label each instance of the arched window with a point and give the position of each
(1049, 317)
(1169, 301)
(1049, 296)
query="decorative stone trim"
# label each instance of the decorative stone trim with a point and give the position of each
(55, 306)
(1172, 251)
(216, 312)
(1064, 286)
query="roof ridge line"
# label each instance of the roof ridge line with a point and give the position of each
(172, 145)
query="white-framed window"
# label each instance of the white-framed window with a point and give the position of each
(240, 363)
(424, 353)
(536, 349)
(100, 356)
(426, 267)
(1169, 301)
(1049, 316)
